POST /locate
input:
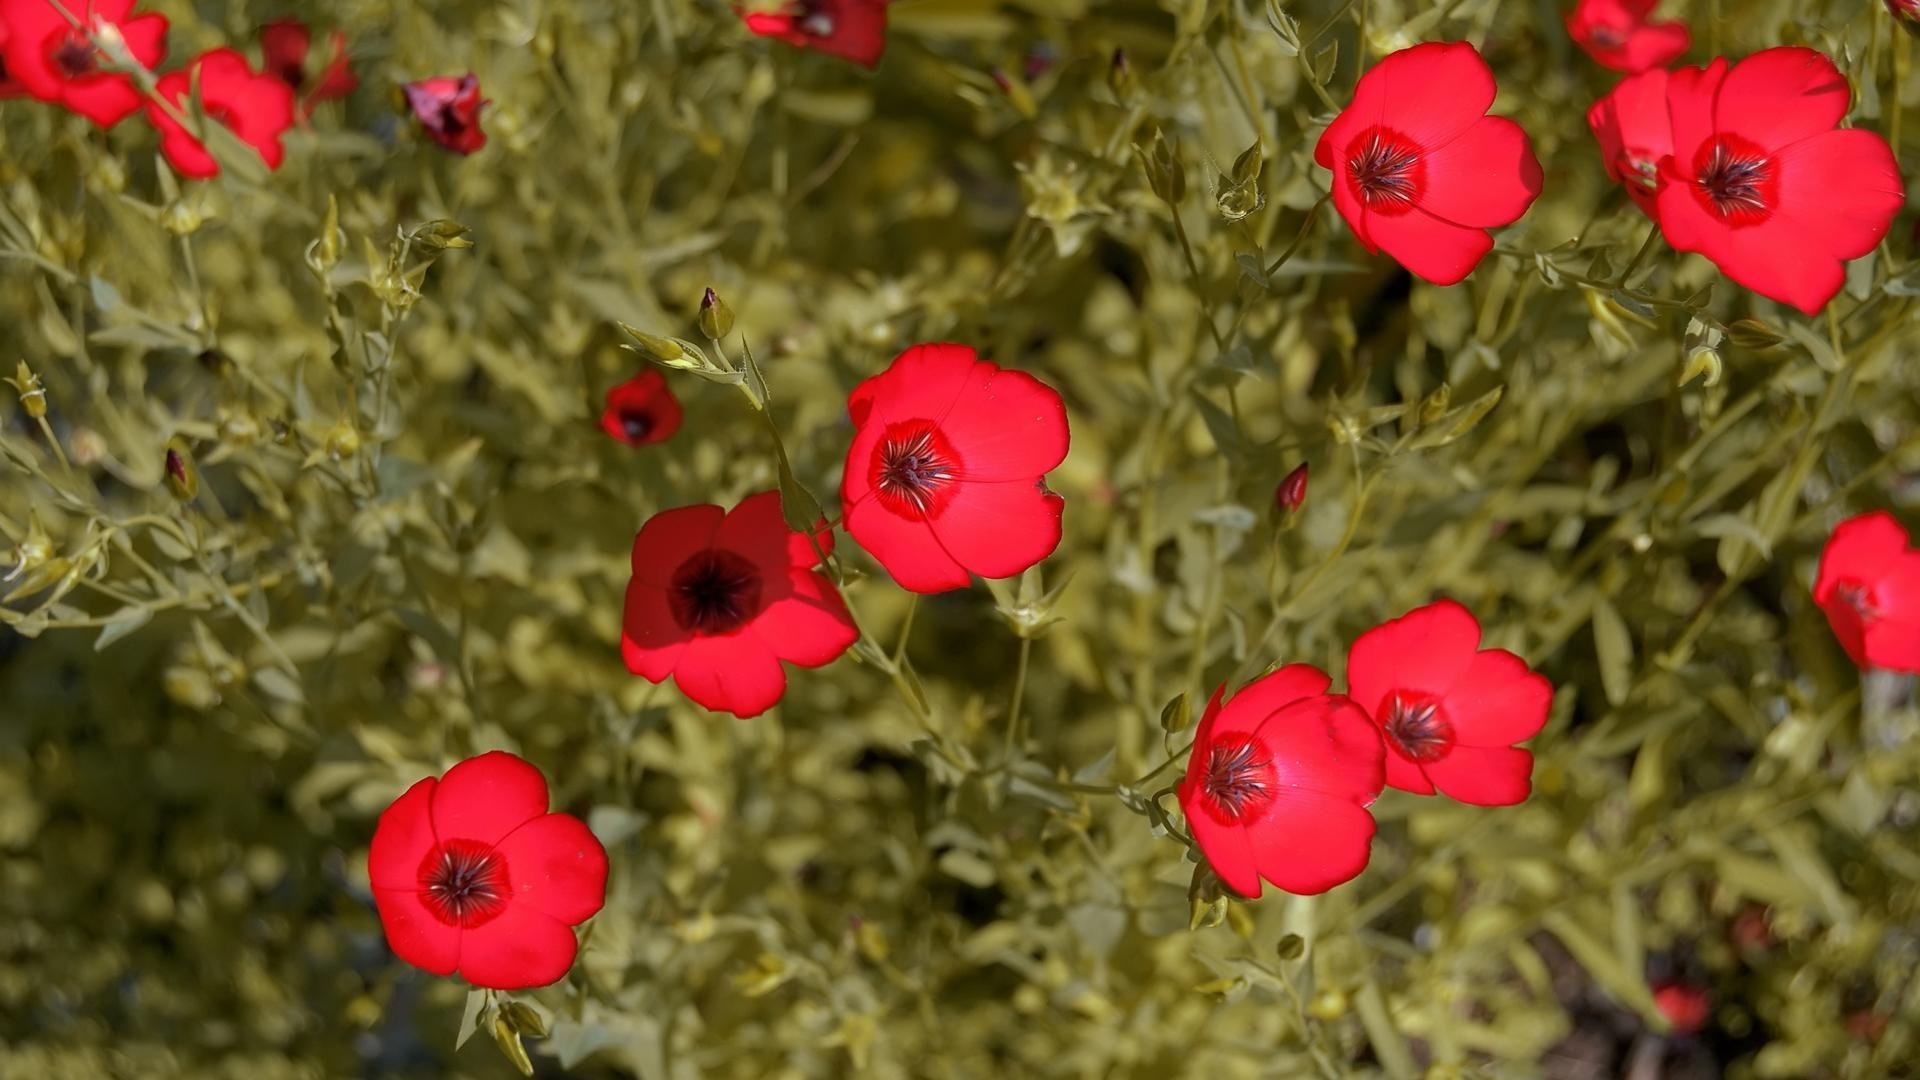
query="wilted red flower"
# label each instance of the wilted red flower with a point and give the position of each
(853, 30)
(1635, 135)
(946, 474)
(1419, 170)
(471, 872)
(1761, 182)
(258, 108)
(1618, 35)
(1869, 586)
(50, 59)
(1278, 784)
(1685, 1007)
(1450, 711)
(641, 410)
(1292, 491)
(449, 110)
(719, 599)
(285, 45)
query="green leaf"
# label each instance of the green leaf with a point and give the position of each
(471, 1018)
(1614, 645)
(124, 622)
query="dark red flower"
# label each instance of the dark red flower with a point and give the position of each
(1449, 710)
(1869, 586)
(641, 410)
(853, 30)
(1685, 1007)
(1278, 784)
(1419, 170)
(8, 88)
(256, 107)
(1292, 491)
(286, 44)
(1761, 183)
(1635, 135)
(719, 599)
(449, 110)
(470, 872)
(50, 59)
(946, 474)
(1618, 35)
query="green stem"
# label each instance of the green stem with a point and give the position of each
(1015, 736)
(1306, 226)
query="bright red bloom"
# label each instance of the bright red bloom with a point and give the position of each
(853, 30)
(449, 110)
(258, 108)
(1419, 170)
(1450, 711)
(1761, 182)
(471, 872)
(1869, 586)
(718, 599)
(1685, 1007)
(285, 46)
(641, 410)
(50, 59)
(1635, 135)
(1278, 784)
(1618, 35)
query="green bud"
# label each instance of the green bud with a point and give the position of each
(1120, 77)
(33, 393)
(508, 1040)
(525, 1019)
(1292, 947)
(1176, 715)
(716, 318)
(1164, 173)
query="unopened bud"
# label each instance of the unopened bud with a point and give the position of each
(1702, 362)
(33, 393)
(508, 1040)
(182, 479)
(525, 1019)
(716, 318)
(1177, 714)
(1164, 174)
(182, 219)
(1292, 491)
(1292, 947)
(1120, 76)
(1435, 405)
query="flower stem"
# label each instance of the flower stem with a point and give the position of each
(1016, 737)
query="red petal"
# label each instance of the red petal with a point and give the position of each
(1438, 251)
(757, 529)
(733, 673)
(808, 625)
(1653, 45)
(519, 949)
(1430, 93)
(921, 383)
(484, 798)
(1307, 844)
(1781, 257)
(104, 99)
(1862, 548)
(1405, 775)
(1847, 183)
(1325, 746)
(1007, 425)
(1227, 846)
(1893, 644)
(1487, 177)
(402, 839)
(905, 548)
(998, 530)
(669, 536)
(1352, 210)
(1484, 776)
(414, 934)
(557, 866)
(1499, 701)
(1424, 651)
(146, 38)
(1779, 96)
(1253, 704)
(651, 639)
(1690, 95)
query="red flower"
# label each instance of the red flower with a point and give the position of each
(1617, 35)
(853, 30)
(719, 599)
(1762, 184)
(471, 872)
(1906, 14)
(1419, 170)
(1869, 586)
(50, 59)
(8, 88)
(1278, 785)
(449, 109)
(1685, 1007)
(1635, 135)
(1450, 713)
(946, 474)
(641, 410)
(257, 108)
(285, 45)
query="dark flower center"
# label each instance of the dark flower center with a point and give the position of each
(74, 55)
(291, 72)
(815, 20)
(464, 883)
(1386, 170)
(714, 591)
(1239, 775)
(636, 424)
(1417, 728)
(1859, 597)
(1736, 181)
(1607, 37)
(913, 467)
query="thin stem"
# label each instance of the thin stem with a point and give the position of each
(1646, 246)
(1015, 736)
(1199, 287)
(1306, 226)
(906, 628)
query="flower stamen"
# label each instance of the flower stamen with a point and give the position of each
(1237, 776)
(1417, 728)
(464, 883)
(714, 592)
(1386, 171)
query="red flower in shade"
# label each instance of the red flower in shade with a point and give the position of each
(1906, 13)
(449, 109)
(1762, 184)
(1617, 35)
(853, 30)
(1278, 784)
(471, 872)
(8, 88)
(641, 410)
(945, 477)
(1450, 710)
(1419, 170)
(1869, 586)
(1685, 1007)
(1635, 135)
(285, 46)
(50, 59)
(719, 599)
(258, 108)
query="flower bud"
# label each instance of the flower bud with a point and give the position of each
(181, 218)
(524, 1019)
(1292, 947)
(1177, 714)
(1435, 405)
(33, 393)
(1292, 491)
(508, 1040)
(1120, 77)
(1164, 173)
(716, 318)
(181, 477)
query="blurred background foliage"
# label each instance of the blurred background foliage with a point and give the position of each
(409, 540)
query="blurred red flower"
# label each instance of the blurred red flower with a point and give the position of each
(719, 599)
(641, 410)
(1869, 586)
(1618, 35)
(471, 872)
(256, 107)
(1292, 491)
(1450, 711)
(8, 88)
(285, 45)
(1278, 784)
(1685, 1007)
(1760, 181)
(1419, 170)
(449, 109)
(946, 474)
(1906, 14)
(853, 30)
(1635, 135)
(50, 59)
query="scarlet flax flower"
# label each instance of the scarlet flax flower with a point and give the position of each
(641, 410)
(1450, 711)
(1685, 1007)
(257, 108)
(50, 59)
(1278, 784)
(946, 474)
(1869, 586)
(448, 109)
(1760, 181)
(471, 873)
(853, 30)
(1618, 34)
(1635, 135)
(1419, 170)
(718, 599)
(286, 46)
